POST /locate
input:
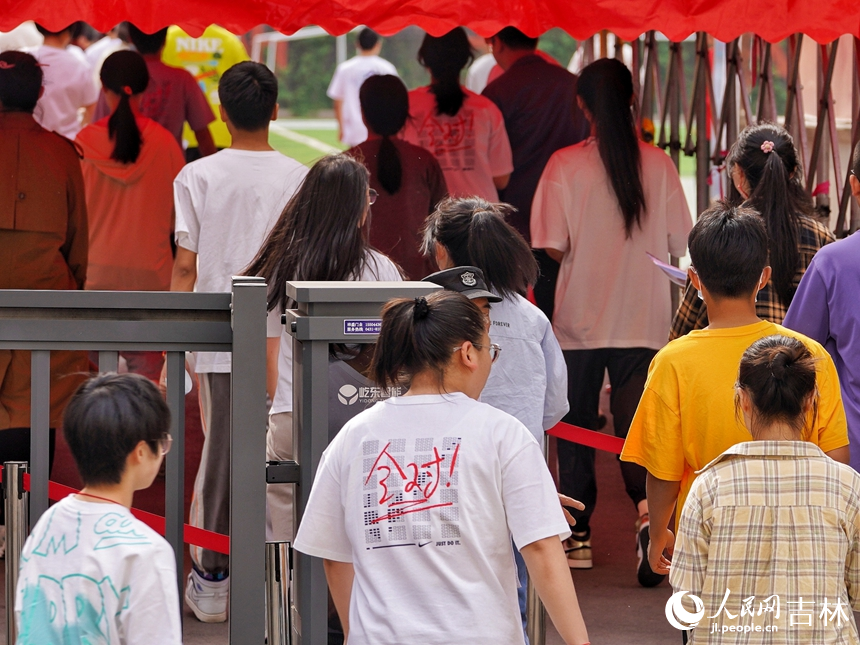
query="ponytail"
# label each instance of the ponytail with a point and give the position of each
(445, 57)
(778, 374)
(606, 88)
(419, 334)
(767, 156)
(125, 74)
(474, 233)
(385, 108)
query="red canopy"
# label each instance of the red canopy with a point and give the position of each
(774, 20)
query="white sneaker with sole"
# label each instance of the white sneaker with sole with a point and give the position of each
(207, 598)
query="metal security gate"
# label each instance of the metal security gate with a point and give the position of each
(42, 321)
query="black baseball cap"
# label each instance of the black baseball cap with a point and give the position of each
(466, 280)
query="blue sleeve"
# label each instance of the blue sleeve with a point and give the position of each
(809, 313)
(555, 404)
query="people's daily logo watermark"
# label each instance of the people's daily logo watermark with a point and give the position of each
(347, 394)
(680, 618)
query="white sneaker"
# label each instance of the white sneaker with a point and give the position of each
(2, 542)
(207, 598)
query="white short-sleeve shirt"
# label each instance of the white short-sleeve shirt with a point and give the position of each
(377, 268)
(609, 293)
(226, 205)
(95, 569)
(472, 146)
(345, 85)
(69, 86)
(529, 380)
(422, 494)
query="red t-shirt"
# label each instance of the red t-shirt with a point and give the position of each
(396, 220)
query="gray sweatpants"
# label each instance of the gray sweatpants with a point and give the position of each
(210, 502)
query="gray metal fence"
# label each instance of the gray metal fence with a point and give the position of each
(42, 321)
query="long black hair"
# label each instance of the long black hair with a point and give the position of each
(776, 192)
(125, 74)
(385, 108)
(319, 235)
(418, 334)
(474, 233)
(445, 57)
(606, 88)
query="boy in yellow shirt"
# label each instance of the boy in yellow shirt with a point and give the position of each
(687, 417)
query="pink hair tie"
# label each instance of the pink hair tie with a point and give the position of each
(127, 91)
(767, 147)
(5, 65)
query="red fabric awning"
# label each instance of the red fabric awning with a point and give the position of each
(773, 20)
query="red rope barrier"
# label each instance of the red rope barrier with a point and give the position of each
(191, 534)
(588, 438)
(221, 543)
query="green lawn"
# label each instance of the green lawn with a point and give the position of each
(301, 152)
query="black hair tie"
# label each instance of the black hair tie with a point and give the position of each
(420, 309)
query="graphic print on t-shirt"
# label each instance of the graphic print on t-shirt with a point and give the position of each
(451, 139)
(411, 495)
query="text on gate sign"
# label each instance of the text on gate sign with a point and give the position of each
(372, 326)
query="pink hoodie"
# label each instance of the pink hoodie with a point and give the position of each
(130, 209)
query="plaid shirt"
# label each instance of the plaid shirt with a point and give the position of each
(692, 314)
(775, 523)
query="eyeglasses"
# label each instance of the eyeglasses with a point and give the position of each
(165, 443)
(372, 195)
(495, 350)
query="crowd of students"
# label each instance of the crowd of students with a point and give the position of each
(538, 187)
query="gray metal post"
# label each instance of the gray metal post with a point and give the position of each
(108, 361)
(248, 463)
(703, 135)
(40, 422)
(277, 592)
(310, 438)
(174, 485)
(340, 48)
(17, 528)
(535, 616)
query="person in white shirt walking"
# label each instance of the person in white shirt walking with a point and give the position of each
(91, 572)
(346, 83)
(226, 205)
(464, 131)
(529, 381)
(599, 207)
(69, 85)
(415, 501)
(321, 235)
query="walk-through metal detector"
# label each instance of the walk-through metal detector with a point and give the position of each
(325, 313)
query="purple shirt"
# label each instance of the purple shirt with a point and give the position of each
(825, 308)
(538, 103)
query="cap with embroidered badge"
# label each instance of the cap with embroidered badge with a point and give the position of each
(466, 280)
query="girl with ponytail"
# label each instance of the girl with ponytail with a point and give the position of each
(129, 166)
(448, 479)
(600, 208)
(789, 512)
(465, 131)
(408, 179)
(766, 170)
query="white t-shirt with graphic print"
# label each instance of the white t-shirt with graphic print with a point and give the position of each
(422, 494)
(93, 573)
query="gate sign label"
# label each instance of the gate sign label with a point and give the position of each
(363, 327)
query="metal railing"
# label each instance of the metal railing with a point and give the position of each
(43, 321)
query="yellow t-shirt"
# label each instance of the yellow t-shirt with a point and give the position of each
(207, 57)
(686, 417)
